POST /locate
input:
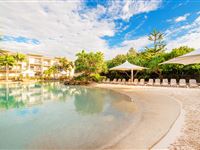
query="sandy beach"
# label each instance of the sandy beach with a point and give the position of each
(170, 118)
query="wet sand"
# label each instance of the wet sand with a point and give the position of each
(162, 111)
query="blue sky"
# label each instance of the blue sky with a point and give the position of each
(62, 28)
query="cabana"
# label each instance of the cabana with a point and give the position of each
(128, 66)
(190, 58)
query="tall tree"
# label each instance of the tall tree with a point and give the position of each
(65, 64)
(90, 63)
(7, 61)
(158, 43)
(19, 58)
(132, 52)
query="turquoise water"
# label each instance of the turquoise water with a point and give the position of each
(55, 116)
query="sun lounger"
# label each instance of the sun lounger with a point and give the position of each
(182, 83)
(114, 81)
(157, 82)
(165, 82)
(135, 82)
(108, 80)
(150, 82)
(129, 82)
(123, 81)
(193, 83)
(173, 82)
(142, 82)
(119, 81)
(104, 80)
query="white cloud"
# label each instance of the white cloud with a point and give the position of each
(61, 29)
(126, 9)
(189, 35)
(182, 18)
(138, 43)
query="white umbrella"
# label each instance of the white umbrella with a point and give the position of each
(128, 66)
(190, 58)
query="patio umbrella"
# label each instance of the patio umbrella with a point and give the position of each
(190, 58)
(128, 66)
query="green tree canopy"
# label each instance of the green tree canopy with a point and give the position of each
(7, 61)
(90, 63)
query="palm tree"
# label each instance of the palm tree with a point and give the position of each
(65, 64)
(157, 38)
(7, 61)
(19, 58)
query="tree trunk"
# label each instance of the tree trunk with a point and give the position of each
(7, 72)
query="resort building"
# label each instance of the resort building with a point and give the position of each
(34, 66)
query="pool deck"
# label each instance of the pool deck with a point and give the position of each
(170, 118)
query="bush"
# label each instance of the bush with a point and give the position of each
(82, 78)
(96, 77)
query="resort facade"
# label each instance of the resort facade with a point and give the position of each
(34, 66)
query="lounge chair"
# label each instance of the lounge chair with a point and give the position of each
(193, 83)
(150, 82)
(142, 82)
(135, 82)
(182, 83)
(108, 80)
(129, 82)
(173, 82)
(104, 80)
(119, 81)
(114, 81)
(165, 82)
(123, 81)
(157, 82)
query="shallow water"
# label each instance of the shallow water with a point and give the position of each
(55, 116)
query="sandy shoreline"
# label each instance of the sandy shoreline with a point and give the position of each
(161, 114)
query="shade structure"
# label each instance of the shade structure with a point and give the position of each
(190, 58)
(128, 66)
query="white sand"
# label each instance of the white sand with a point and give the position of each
(162, 116)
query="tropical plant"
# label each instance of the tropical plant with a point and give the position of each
(7, 61)
(65, 64)
(90, 63)
(158, 44)
(53, 70)
(19, 58)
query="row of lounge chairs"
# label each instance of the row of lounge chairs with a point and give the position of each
(165, 82)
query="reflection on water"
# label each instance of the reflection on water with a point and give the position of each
(52, 115)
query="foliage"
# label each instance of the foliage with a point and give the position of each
(7, 61)
(53, 70)
(19, 57)
(90, 63)
(82, 77)
(96, 77)
(147, 59)
(65, 64)
(158, 43)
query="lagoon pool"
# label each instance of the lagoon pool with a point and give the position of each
(55, 116)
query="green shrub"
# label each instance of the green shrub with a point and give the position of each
(96, 77)
(82, 78)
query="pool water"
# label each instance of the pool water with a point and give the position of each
(55, 116)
